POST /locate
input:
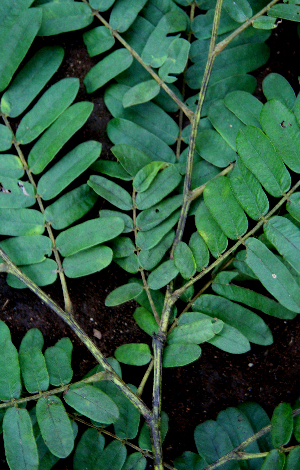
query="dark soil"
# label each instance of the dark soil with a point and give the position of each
(217, 380)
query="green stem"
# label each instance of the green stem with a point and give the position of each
(140, 390)
(198, 191)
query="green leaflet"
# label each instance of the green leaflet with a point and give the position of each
(111, 191)
(19, 443)
(122, 247)
(49, 107)
(33, 338)
(150, 218)
(149, 259)
(239, 11)
(144, 437)
(10, 380)
(135, 461)
(150, 238)
(146, 175)
(273, 275)
(129, 263)
(58, 365)
(196, 332)
(98, 40)
(62, 17)
(245, 106)
(34, 371)
(274, 460)
(141, 93)
(202, 24)
(101, 5)
(184, 260)
(88, 234)
(276, 87)
(178, 53)
(122, 131)
(88, 450)
(57, 135)
(280, 125)
(222, 286)
(123, 293)
(293, 206)
(27, 249)
(15, 41)
(113, 169)
(31, 80)
(247, 322)
(190, 461)
(87, 261)
(17, 222)
(115, 453)
(287, 12)
(16, 194)
(225, 122)
(67, 169)
(127, 219)
(222, 204)
(210, 231)
(260, 157)
(42, 274)
(67, 345)
(293, 459)
(145, 320)
(199, 250)
(4, 332)
(214, 149)
(6, 138)
(248, 191)
(282, 425)
(264, 22)
(70, 207)
(258, 419)
(180, 354)
(164, 183)
(55, 426)
(92, 402)
(131, 158)
(106, 69)
(11, 166)
(162, 275)
(147, 115)
(285, 236)
(127, 425)
(124, 13)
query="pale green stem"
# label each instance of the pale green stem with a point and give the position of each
(140, 390)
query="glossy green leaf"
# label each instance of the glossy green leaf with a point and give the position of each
(162, 275)
(164, 183)
(87, 261)
(129, 263)
(58, 365)
(280, 125)
(70, 207)
(247, 322)
(106, 69)
(245, 106)
(110, 168)
(42, 274)
(222, 204)
(98, 40)
(122, 131)
(111, 191)
(222, 286)
(180, 354)
(202, 24)
(6, 138)
(145, 320)
(146, 175)
(135, 354)
(274, 461)
(276, 87)
(150, 218)
(286, 12)
(88, 234)
(260, 157)
(101, 5)
(141, 93)
(49, 107)
(34, 371)
(210, 231)
(67, 345)
(57, 135)
(62, 17)
(88, 450)
(293, 459)
(199, 250)
(123, 293)
(264, 22)
(258, 419)
(122, 247)
(124, 13)
(113, 456)
(127, 425)
(15, 41)
(16, 194)
(131, 158)
(178, 54)
(19, 443)
(18, 222)
(92, 402)
(239, 11)
(4, 332)
(31, 80)
(293, 206)
(32, 339)
(10, 380)
(126, 218)
(282, 425)
(184, 260)
(248, 191)
(148, 259)
(225, 122)
(135, 461)
(196, 332)
(11, 166)
(150, 238)
(214, 149)
(67, 169)
(273, 275)
(28, 249)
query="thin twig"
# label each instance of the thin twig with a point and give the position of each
(140, 390)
